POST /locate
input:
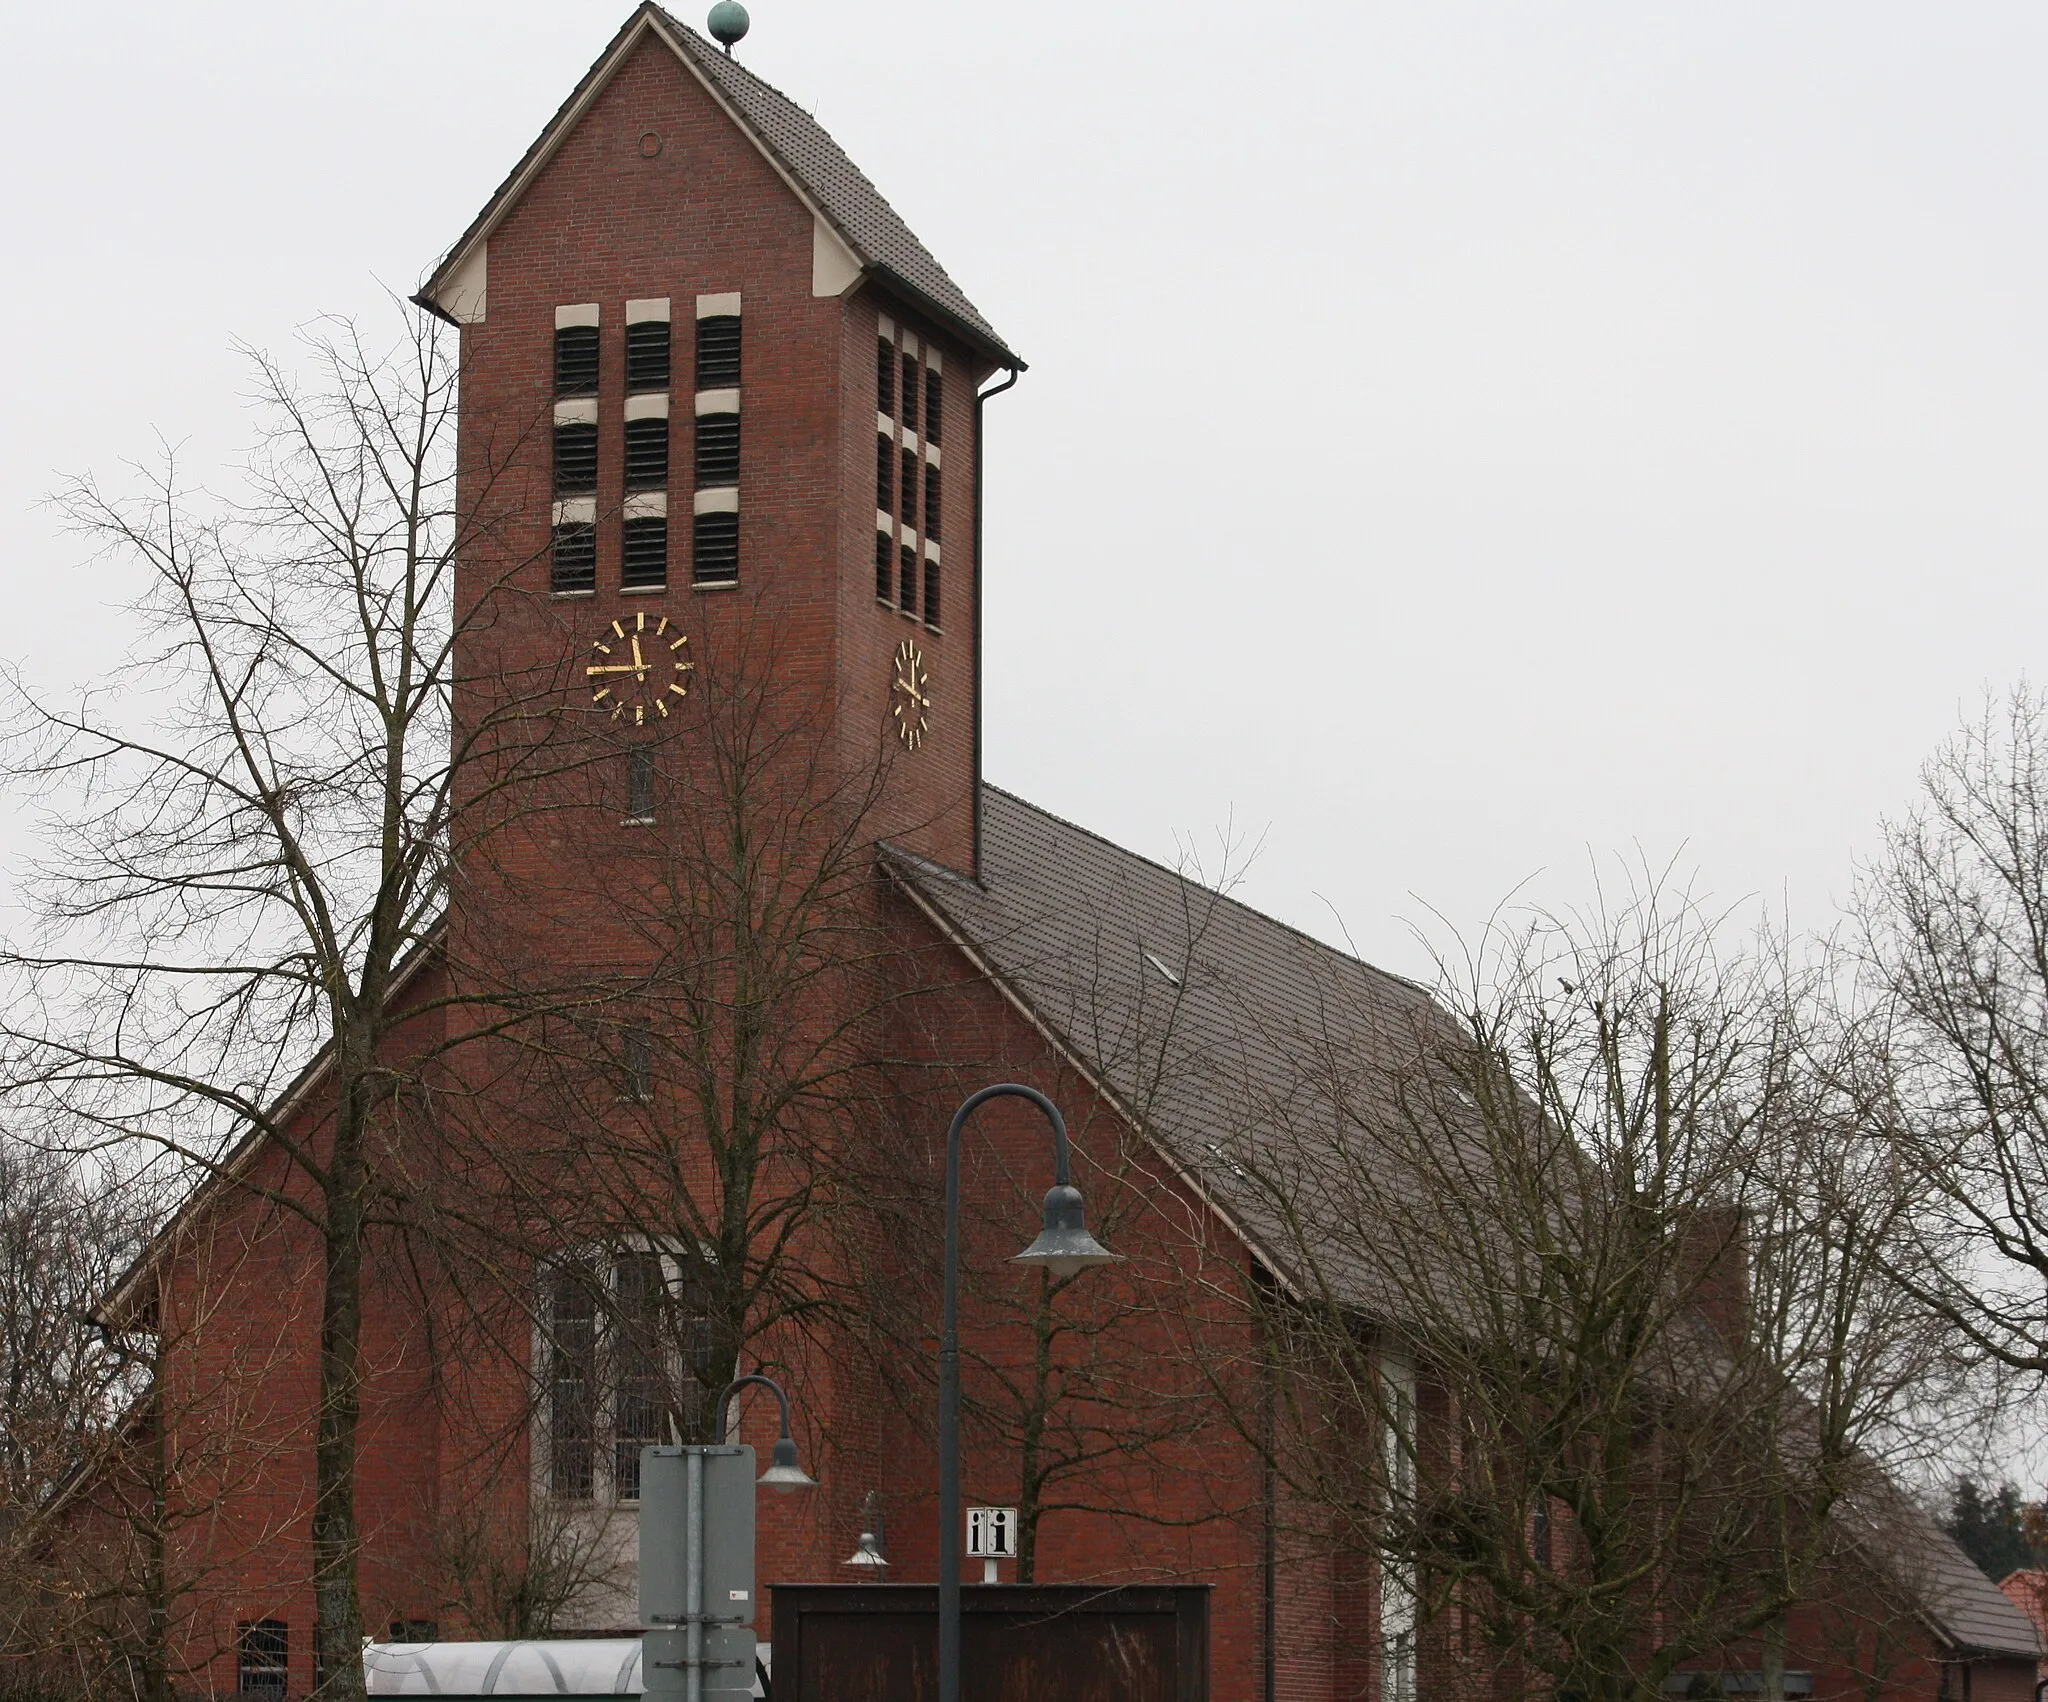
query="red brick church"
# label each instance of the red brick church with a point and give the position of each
(722, 410)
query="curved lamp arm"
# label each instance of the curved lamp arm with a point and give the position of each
(783, 1472)
(1017, 1090)
(730, 1392)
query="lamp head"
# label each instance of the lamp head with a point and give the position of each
(867, 1552)
(783, 1473)
(1064, 1245)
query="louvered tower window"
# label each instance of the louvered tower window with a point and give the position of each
(576, 360)
(715, 538)
(647, 454)
(934, 403)
(647, 355)
(907, 583)
(931, 592)
(643, 523)
(885, 568)
(575, 557)
(717, 552)
(718, 450)
(910, 389)
(575, 458)
(931, 502)
(885, 474)
(907, 492)
(645, 552)
(718, 352)
(885, 376)
(573, 551)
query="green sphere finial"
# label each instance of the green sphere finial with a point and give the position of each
(728, 23)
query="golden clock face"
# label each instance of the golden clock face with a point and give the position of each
(638, 667)
(910, 696)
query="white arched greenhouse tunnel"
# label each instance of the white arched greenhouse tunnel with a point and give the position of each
(582, 1667)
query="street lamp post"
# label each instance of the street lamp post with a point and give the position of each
(1063, 1247)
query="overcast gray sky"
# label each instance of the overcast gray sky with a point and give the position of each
(1458, 435)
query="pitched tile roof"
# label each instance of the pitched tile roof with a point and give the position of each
(1951, 1591)
(798, 144)
(1190, 1010)
(873, 229)
(1965, 1606)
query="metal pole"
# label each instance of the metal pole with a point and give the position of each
(693, 1580)
(949, 1372)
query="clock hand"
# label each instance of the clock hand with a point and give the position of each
(639, 666)
(616, 668)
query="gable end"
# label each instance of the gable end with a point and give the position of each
(856, 233)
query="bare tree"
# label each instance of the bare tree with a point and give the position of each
(1955, 918)
(129, 1553)
(1583, 1341)
(715, 1093)
(248, 848)
(61, 1241)
(62, 1386)
(738, 1055)
(521, 1571)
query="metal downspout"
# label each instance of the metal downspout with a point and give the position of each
(980, 402)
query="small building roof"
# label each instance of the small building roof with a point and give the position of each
(2027, 1590)
(1952, 1593)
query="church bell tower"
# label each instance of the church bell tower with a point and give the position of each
(719, 403)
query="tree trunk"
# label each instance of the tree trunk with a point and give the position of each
(338, 1622)
(156, 1587)
(1773, 1661)
(1031, 1476)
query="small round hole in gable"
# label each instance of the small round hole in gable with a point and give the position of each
(650, 144)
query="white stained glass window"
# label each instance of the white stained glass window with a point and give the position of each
(622, 1351)
(1397, 1593)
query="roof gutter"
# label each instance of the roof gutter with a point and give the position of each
(976, 337)
(422, 299)
(980, 402)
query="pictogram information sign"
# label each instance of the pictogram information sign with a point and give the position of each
(992, 1533)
